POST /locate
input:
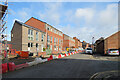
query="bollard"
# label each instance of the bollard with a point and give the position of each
(11, 66)
(4, 68)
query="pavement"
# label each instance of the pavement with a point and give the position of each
(74, 66)
(19, 61)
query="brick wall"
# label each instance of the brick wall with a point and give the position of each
(112, 42)
(100, 47)
(16, 36)
(36, 23)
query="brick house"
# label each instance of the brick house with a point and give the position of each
(43, 36)
(111, 42)
(100, 45)
(68, 42)
(54, 39)
(78, 43)
(27, 38)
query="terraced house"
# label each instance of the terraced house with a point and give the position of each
(54, 39)
(28, 38)
(34, 35)
(68, 42)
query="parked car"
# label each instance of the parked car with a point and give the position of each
(89, 50)
(113, 52)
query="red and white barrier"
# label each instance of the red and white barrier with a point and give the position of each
(13, 67)
(44, 60)
(66, 54)
(21, 66)
(59, 56)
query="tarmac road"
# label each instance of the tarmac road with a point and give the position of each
(74, 66)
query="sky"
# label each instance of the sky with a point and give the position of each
(83, 20)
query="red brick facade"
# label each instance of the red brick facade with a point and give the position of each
(54, 37)
(36, 23)
(112, 41)
(68, 42)
(77, 42)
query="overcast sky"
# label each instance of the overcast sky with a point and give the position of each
(80, 19)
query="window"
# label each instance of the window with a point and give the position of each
(29, 31)
(48, 38)
(30, 44)
(36, 36)
(51, 47)
(48, 28)
(59, 41)
(57, 48)
(51, 39)
(36, 44)
(30, 34)
(54, 40)
(42, 37)
(54, 47)
(48, 46)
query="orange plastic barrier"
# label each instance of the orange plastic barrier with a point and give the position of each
(23, 54)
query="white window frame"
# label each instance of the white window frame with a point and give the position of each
(31, 36)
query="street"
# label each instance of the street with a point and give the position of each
(74, 66)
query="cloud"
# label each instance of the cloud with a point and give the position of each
(51, 13)
(24, 14)
(91, 22)
(86, 13)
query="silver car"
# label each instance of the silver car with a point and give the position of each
(88, 50)
(113, 52)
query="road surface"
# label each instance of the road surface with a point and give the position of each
(74, 66)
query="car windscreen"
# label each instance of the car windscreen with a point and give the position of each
(89, 48)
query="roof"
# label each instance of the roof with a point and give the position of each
(36, 23)
(112, 34)
(28, 26)
(3, 8)
(54, 27)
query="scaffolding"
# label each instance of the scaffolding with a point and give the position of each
(3, 28)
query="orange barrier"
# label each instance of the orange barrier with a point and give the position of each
(23, 54)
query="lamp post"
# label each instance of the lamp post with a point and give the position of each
(92, 42)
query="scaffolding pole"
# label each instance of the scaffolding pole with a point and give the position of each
(3, 30)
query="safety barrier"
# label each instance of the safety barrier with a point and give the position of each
(62, 55)
(59, 56)
(11, 66)
(23, 54)
(21, 66)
